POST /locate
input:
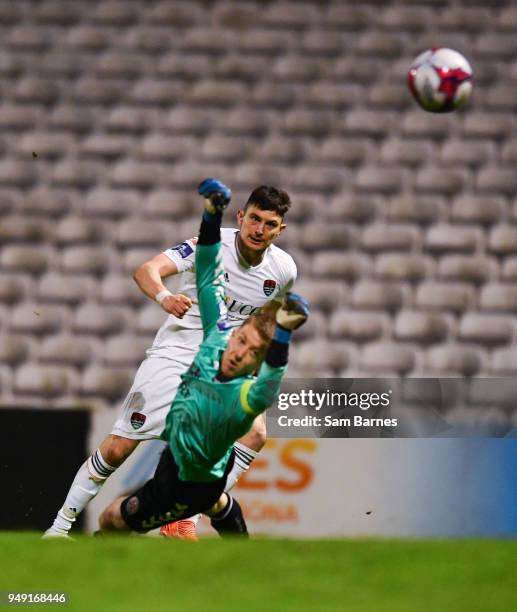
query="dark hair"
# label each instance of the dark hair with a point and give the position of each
(266, 197)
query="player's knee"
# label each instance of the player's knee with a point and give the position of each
(111, 517)
(115, 449)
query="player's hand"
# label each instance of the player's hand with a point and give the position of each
(176, 304)
(217, 195)
(294, 311)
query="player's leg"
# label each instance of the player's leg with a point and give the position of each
(111, 517)
(246, 449)
(226, 517)
(93, 473)
(142, 418)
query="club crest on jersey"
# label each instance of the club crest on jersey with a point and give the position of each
(269, 286)
(184, 249)
(137, 420)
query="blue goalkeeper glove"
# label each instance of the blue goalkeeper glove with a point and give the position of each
(293, 313)
(217, 195)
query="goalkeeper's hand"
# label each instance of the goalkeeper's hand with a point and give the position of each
(217, 195)
(293, 313)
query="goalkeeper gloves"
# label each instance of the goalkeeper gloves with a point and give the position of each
(293, 313)
(217, 195)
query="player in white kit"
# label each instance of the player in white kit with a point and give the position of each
(256, 272)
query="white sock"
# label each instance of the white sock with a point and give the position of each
(244, 457)
(82, 491)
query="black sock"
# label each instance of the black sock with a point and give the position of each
(230, 521)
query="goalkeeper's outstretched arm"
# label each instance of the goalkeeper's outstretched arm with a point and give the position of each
(209, 264)
(259, 395)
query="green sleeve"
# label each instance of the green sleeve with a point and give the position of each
(210, 287)
(258, 395)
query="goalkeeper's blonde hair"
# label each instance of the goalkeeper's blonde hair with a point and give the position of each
(264, 321)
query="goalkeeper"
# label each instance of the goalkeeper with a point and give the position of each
(216, 402)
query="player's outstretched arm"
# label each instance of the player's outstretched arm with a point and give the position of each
(209, 263)
(260, 395)
(149, 278)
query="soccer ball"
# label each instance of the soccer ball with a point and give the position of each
(440, 80)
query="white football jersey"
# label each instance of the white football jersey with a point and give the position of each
(247, 288)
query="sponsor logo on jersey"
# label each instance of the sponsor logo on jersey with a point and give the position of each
(236, 307)
(269, 286)
(184, 249)
(137, 420)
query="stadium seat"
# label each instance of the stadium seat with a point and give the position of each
(388, 96)
(321, 235)
(407, 151)
(502, 240)
(132, 120)
(478, 152)
(376, 43)
(322, 43)
(498, 297)
(107, 147)
(374, 124)
(120, 289)
(147, 40)
(54, 288)
(352, 208)
(423, 210)
(451, 360)
(162, 148)
(378, 179)
(473, 19)
(317, 355)
(96, 91)
(130, 174)
(226, 149)
(358, 326)
(22, 258)
(186, 120)
(455, 297)
(27, 38)
(467, 268)
(289, 15)
(85, 260)
(17, 173)
(14, 349)
(293, 69)
(281, 150)
(11, 200)
(421, 327)
(496, 179)
(111, 203)
(380, 357)
(134, 257)
(478, 209)
(339, 265)
(116, 14)
(352, 17)
(303, 122)
(260, 41)
(18, 229)
(487, 330)
(381, 237)
(494, 45)
(45, 145)
(125, 350)
(440, 180)
(88, 38)
(509, 269)
(76, 174)
(218, 94)
(120, 65)
(96, 319)
(45, 380)
(411, 18)
(373, 295)
(65, 349)
(169, 204)
(35, 319)
(444, 238)
(417, 124)
(138, 232)
(72, 230)
(14, 287)
(403, 267)
(72, 118)
(488, 125)
(238, 17)
(323, 295)
(504, 362)
(106, 382)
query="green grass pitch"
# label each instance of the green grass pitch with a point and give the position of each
(370, 575)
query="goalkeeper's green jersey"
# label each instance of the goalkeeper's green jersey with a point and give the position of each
(207, 416)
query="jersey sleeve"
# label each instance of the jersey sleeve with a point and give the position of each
(291, 273)
(183, 255)
(258, 395)
(210, 287)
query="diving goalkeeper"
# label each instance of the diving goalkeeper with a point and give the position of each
(216, 402)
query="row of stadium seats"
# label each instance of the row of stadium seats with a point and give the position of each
(404, 223)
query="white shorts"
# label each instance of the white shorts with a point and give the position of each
(146, 406)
